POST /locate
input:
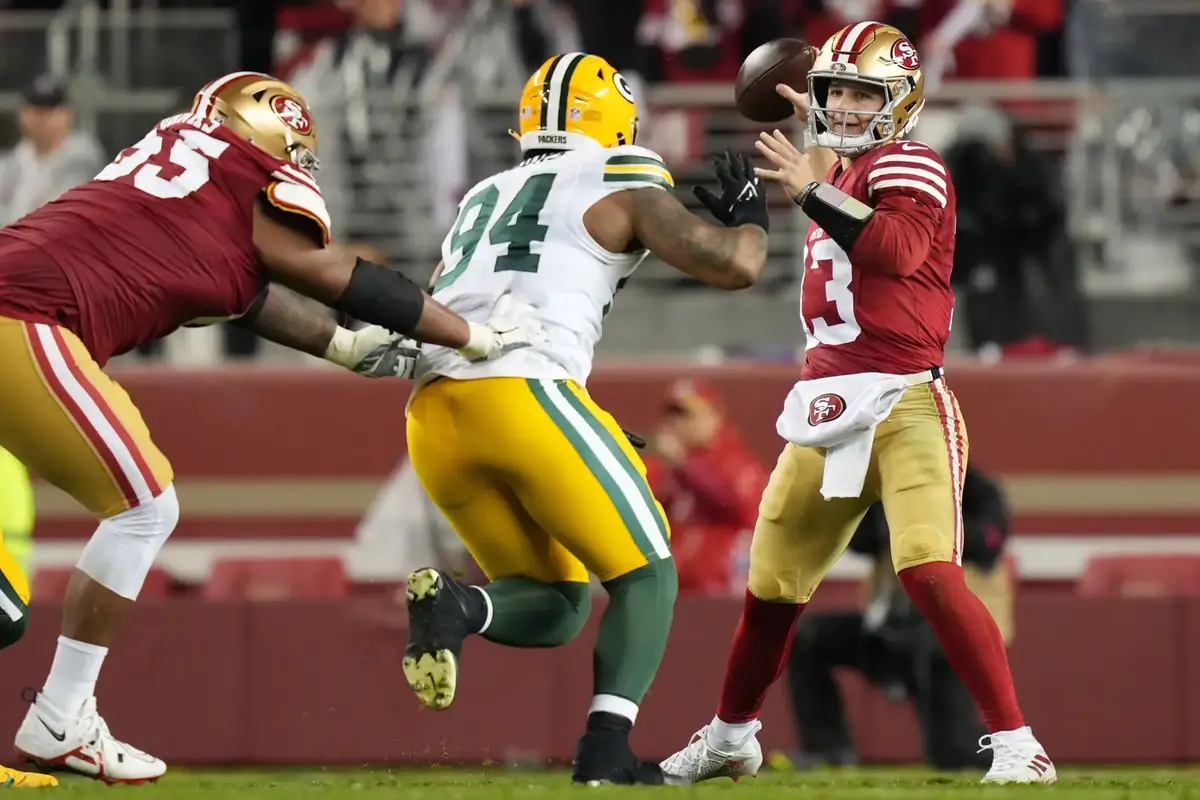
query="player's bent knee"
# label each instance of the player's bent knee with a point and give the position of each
(574, 615)
(657, 583)
(123, 548)
(774, 582)
(921, 544)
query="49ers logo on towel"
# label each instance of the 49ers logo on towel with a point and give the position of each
(293, 114)
(825, 408)
(904, 55)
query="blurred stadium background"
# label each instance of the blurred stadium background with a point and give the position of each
(270, 633)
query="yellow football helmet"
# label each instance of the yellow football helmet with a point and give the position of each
(264, 110)
(576, 100)
(874, 54)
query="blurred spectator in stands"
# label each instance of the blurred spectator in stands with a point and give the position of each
(984, 39)
(256, 33)
(50, 158)
(541, 29)
(393, 153)
(696, 40)
(1012, 226)
(709, 484)
(816, 20)
(893, 647)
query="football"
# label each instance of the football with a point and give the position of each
(785, 61)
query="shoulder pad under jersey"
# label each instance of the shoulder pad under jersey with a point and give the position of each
(296, 192)
(633, 167)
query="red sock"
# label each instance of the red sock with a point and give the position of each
(969, 637)
(757, 656)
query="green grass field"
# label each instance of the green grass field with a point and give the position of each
(478, 784)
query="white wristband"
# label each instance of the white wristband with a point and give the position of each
(341, 348)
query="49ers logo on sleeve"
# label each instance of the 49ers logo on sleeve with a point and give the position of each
(905, 55)
(294, 115)
(825, 408)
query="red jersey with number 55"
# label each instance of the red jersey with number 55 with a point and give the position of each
(886, 305)
(161, 238)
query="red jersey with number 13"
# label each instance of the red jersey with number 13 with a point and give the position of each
(162, 237)
(885, 306)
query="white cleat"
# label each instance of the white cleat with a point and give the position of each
(704, 759)
(1017, 757)
(81, 745)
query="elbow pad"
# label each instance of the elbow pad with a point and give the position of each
(837, 213)
(383, 297)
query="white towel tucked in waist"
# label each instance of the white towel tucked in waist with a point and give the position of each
(841, 414)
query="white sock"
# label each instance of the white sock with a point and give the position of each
(728, 734)
(73, 674)
(614, 705)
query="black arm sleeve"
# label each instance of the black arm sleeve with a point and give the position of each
(838, 214)
(382, 296)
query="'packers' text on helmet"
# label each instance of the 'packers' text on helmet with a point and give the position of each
(877, 55)
(266, 111)
(576, 100)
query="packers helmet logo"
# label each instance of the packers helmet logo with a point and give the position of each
(293, 114)
(622, 86)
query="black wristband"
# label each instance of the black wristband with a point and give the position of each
(382, 296)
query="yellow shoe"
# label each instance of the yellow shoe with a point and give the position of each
(15, 779)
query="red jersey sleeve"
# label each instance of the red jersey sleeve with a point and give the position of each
(909, 188)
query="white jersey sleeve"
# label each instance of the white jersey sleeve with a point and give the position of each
(606, 172)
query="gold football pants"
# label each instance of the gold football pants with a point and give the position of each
(536, 478)
(918, 461)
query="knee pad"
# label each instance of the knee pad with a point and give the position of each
(122, 550)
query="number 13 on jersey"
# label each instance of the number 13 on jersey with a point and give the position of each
(826, 300)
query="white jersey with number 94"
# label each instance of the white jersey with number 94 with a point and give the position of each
(522, 231)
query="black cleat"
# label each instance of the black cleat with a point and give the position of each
(603, 756)
(437, 626)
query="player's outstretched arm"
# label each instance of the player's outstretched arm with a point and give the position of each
(335, 276)
(282, 316)
(728, 258)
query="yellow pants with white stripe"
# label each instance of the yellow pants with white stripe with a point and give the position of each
(16, 524)
(536, 478)
(16, 509)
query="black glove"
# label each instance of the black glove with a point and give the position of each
(742, 200)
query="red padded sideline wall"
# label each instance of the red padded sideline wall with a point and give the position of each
(1101, 448)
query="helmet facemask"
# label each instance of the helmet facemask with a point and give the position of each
(878, 127)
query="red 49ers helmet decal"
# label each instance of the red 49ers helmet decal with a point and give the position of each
(293, 114)
(904, 55)
(825, 408)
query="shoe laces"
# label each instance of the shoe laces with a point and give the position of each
(1005, 754)
(98, 732)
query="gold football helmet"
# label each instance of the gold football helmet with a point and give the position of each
(576, 100)
(264, 110)
(882, 57)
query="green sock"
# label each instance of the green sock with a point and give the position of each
(633, 631)
(529, 613)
